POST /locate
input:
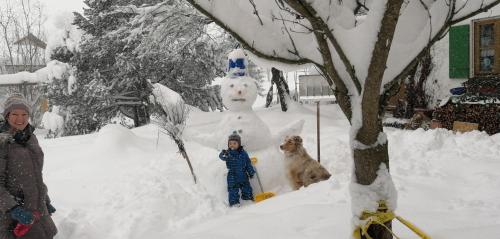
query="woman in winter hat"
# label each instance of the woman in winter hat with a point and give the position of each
(240, 169)
(25, 208)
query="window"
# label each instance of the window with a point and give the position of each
(486, 40)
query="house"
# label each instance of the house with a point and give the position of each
(16, 73)
(28, 55)
(474, 59)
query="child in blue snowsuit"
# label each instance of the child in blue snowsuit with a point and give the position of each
(240, 170)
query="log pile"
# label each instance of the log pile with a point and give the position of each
(486, 115)
(479, 104)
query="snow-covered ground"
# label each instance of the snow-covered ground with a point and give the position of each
(122, 183)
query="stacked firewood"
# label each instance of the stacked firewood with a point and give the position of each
(486, 115)
(489, 86)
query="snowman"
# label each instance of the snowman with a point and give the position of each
(239, 92)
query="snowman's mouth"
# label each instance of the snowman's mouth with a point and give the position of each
(241, 100)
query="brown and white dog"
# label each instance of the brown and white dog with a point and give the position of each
(301, 169)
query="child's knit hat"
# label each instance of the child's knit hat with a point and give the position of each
(235, 137)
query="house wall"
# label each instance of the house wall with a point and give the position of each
(438, 84)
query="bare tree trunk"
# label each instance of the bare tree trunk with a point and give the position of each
(415, 92)
(425, 71)
(5, 24)
(367, 161)
(7, 42)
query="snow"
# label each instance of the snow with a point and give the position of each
(119, 184)
(165, 96)
(53, 121)
(63, 33)
(381, 140)
(240, 17)
(366, 197)
(53, 70)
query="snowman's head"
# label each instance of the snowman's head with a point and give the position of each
(237, 63)
(238, 93)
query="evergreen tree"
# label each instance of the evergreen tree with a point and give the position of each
(126, 45)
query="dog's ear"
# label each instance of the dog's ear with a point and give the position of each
(297, 139)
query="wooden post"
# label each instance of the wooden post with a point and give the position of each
(317, 130)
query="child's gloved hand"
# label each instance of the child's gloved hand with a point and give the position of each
(51, 209)
(21, 215)
(224, 152)
(251, 175)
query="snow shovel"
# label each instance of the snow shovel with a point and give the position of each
(262, 195)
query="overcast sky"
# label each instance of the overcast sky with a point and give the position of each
(56, 7)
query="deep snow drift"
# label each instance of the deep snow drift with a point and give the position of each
(122, 183)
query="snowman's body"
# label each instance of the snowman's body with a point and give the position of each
(255, 134)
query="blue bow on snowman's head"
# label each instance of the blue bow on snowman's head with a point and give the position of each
(237, 67)
(240, 63)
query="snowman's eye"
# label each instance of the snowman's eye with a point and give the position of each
(245, 85)
(231, 85)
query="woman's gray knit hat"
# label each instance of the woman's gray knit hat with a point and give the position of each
(15, 102)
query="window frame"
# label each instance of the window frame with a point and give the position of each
(474, 49)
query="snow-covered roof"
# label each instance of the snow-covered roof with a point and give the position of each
(31, 39)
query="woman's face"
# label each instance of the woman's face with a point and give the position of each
(18, 119)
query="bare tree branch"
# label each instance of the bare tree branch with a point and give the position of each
(368, 133)
(295, 22)
(461, 8)
(295, 51)
(256, 12)
(483, 8)
(430, 18)
(306, 10)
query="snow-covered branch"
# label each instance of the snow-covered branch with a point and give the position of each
(53, 70)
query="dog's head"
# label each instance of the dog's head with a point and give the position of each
(291, 143)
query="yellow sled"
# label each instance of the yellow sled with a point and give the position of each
(263, 195)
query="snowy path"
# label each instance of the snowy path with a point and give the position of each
(117, 184)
